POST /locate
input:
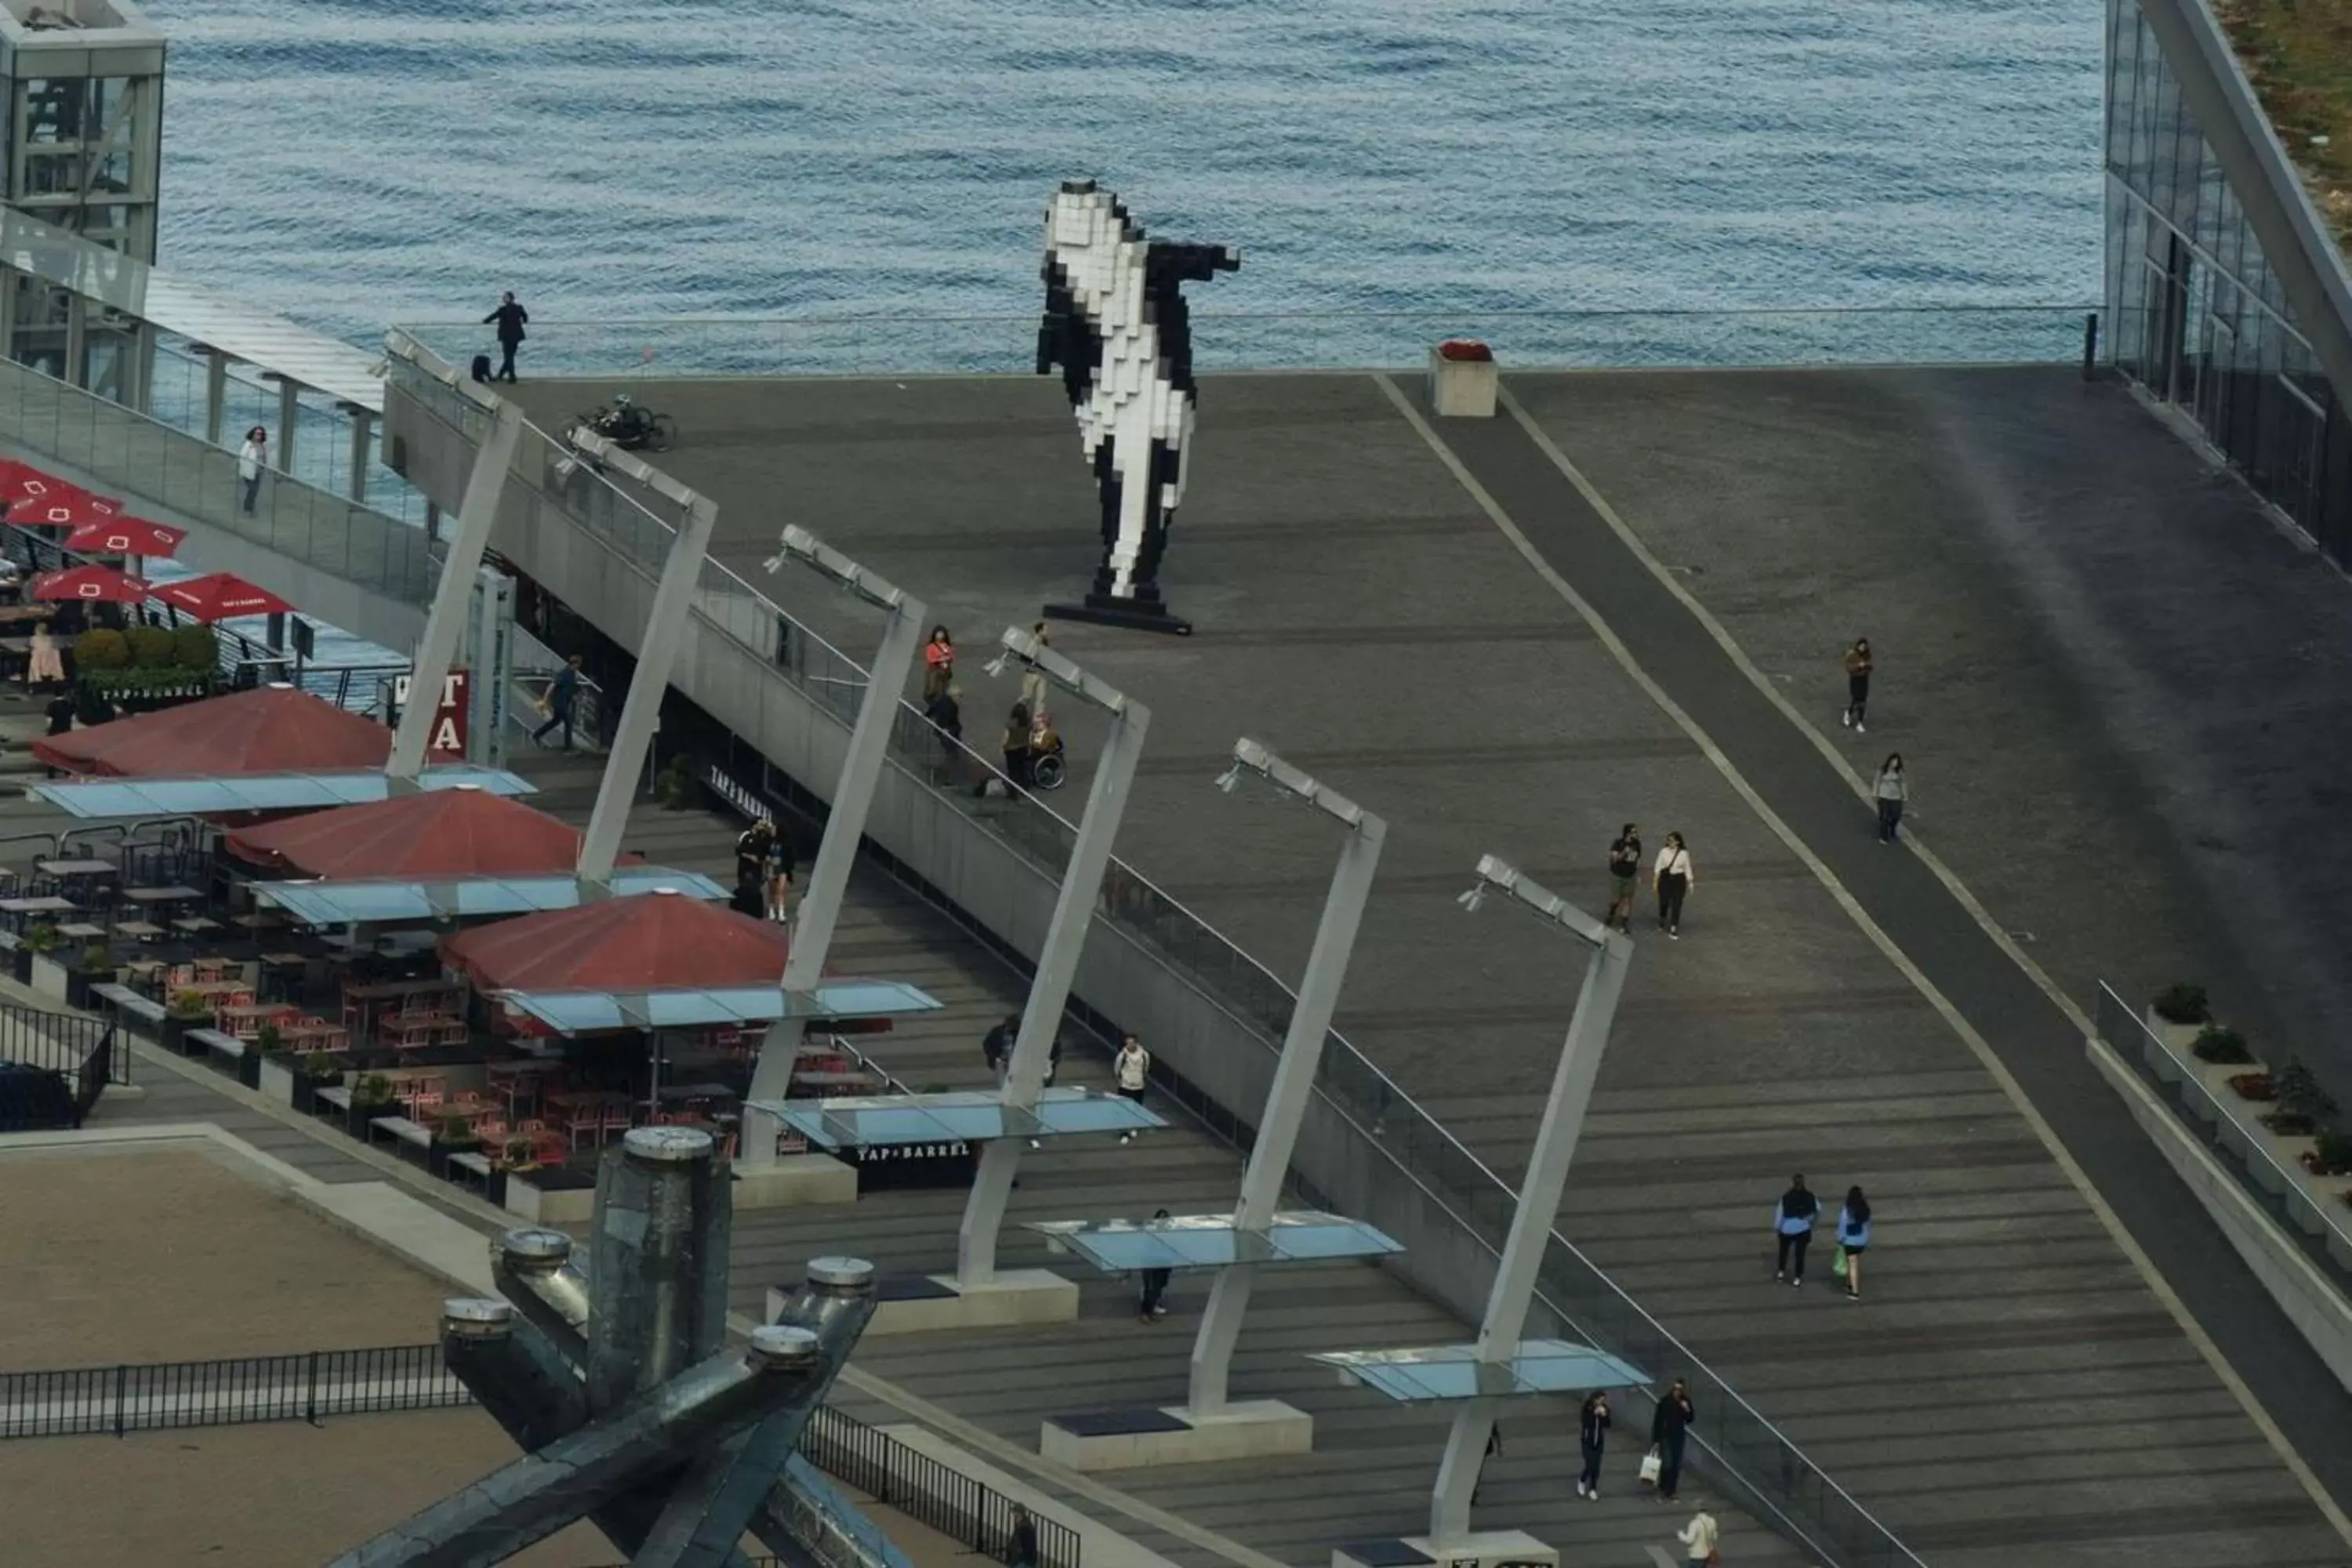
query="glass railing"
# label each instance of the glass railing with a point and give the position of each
(1774, 1474)
(143, 459)
(901, 345)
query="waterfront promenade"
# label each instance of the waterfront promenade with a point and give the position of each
(1442, 622)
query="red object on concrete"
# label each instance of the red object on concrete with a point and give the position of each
(444, 832)
(221, 596)
(98, 585)
(653, 940)
(65, 508)
(268, 730)
(25, 489)
(1464, 349)
(127, 536)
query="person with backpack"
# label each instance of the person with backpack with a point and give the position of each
(1698, 1538)
(1591, 1438)
(1669, 1430)
(1853, 1239)
(1793, 1218)
(1624, 872)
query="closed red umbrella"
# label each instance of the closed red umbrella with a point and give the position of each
(103, 584)
(220, 597)
(126, 536)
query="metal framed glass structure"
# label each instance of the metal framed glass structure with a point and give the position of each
(383, 901)
(260, 792)
(968, 1116)
(690, 1007)
(2198, 316)
(1216, 1241)
(1439, 1373)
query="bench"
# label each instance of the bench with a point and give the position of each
(128, 1004)
(216, 1044)
(475, 1164)
(415, 1135)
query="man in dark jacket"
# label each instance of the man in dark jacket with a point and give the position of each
(1155, 1285)
(508, 318)
(1020, 1551)
(1668, 1429)
(998, 1046)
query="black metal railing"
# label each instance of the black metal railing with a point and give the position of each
(309, 1386)
(69, 1043)
(925, 1490)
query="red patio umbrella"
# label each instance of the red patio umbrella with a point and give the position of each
(220, 597)
(22, 482)
(69, 507)
(126, 536)
(103, 584)
(461, 832)
(268, 730)
(661, 939)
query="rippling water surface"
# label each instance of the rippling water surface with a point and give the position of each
(355, 163)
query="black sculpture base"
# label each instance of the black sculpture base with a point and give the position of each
(1135, 614)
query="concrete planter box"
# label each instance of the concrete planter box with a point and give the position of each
(278, 1081)
(2176, 1038)
(51, 977)
(549, 1204)
(1462, 381)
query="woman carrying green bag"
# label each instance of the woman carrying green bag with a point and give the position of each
(1854, 1241)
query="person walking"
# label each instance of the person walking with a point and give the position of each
(508, 317)
(1793, 1218)
(1591, 1437)
(1669, 1430)
(1891, 791)
(1699, 1538)
(782, 864)
(1015, 745)
(751, 858)
(997, 1047)
(1152, 1307)
(1853, 1239)
(1493, 1450)
(938, 664)
(44, 665)
(749, 898)
(1132, 1068)
(945, 714)
(1033, 680)
(562, 693)
(1858, 665)
(1671, 880)
(252, 457)
(1624, 872)
(1021, 1551)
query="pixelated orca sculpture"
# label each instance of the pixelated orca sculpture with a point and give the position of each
(1116, 329)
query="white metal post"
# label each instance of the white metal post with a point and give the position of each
(453, 599)
(1286, 1105)
(828, 884)
(1532, 1222)
(657, 650)
(1049, 993)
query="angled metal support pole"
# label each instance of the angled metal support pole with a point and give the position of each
(657, 650)
(844, 825)
(1049, 992)
(1540, 1192)
(215, 393)
(1294, 1078)
(453, 599)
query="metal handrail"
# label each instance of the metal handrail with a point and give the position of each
(619, 323)
(400, 345)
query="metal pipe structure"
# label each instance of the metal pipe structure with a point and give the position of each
(1302, 1054)
(837, 855)
(536, 1270)
(659, 1260)
(538, 1495)
(656, 649)
(445, 623)
(1547, 1179)
(1066, 936)
(731, 1491)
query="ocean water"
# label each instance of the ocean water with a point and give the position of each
(354, 163)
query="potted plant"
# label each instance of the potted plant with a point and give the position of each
(95, 968)
(2304, 1106)
(50, 974)
(187, 1010)
(371, 1098)
(2330, 1155)
(2258, 1087)
(451, 1135)
(2221, 1046)
(2175, 1015)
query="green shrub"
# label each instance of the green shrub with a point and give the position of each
(2300, 1094)
(97, 958)
(2333, 1153)
(151, 648)
(2216, 1044)
(2183, 1003)
(271, 1039)
(196, 647)
(320, 1067)
(42, 937)
(101, 649)
(373, 1090)
(187, 1006)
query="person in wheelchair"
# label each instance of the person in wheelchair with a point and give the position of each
(1048, 764)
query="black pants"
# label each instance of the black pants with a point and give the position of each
(1671, 889)
(560, 716)
(1670, 1463)
(1590, 1475)
(506, 358)
(1793, 1247)
(1857, 696)
(1890, 814)
(1155, 1285)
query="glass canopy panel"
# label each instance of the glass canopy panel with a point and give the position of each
(254, 792)
(1436, 1372)
(369, 899)
(883, 1121)
(1212, 1241)
(686, 1007)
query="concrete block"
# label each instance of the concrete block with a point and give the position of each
(277, 1081)
(796, 1181)
(1462, 388)
(563, 1206)
(929, 1303)
(1127, 1440)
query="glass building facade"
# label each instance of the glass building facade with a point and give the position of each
(2196, 315)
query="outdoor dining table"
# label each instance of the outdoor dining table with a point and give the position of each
(46, 904)
(156, 896)
(79, 867)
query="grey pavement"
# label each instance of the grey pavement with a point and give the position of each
(1360, 614)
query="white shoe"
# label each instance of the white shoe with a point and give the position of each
(1846, 718)
(1580, 1489)
(1594, 1496)
(1862, 729)
(1127, 1137)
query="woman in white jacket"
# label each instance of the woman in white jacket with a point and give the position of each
(1671, 878)
(250, 459)
(1698, 1538)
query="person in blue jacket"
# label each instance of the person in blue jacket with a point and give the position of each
(1854, 1237)
(1793, 1222)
